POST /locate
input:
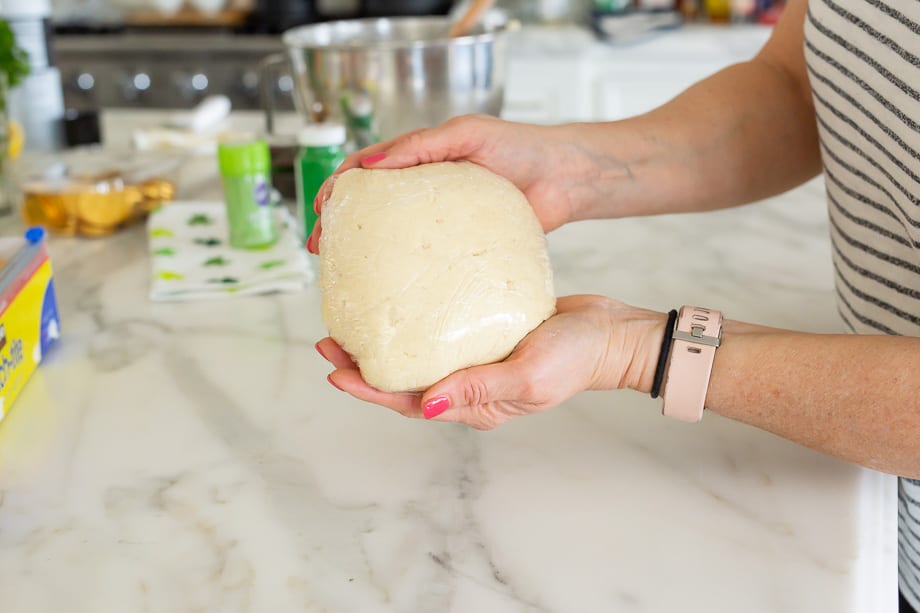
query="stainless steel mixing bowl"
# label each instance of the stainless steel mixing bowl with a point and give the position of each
(383, 77)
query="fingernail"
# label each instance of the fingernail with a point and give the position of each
(310, 245)
(316, 205)
(320, 351)
(373, 159)
(436, 406)
(333, 384)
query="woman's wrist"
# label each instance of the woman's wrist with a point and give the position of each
(586, 168)
(649, 335)
(606, 176)
(633, 344)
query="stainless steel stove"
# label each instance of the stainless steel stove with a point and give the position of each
(166, 70)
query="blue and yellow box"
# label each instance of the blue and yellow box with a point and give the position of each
(29, 322)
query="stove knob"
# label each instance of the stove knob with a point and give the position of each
(246, 89)
(133, 86)
(285, 84)
(85, 82)
(192, 87)
(199, 82)
(249, 84)
(243, 89)
(81, 87)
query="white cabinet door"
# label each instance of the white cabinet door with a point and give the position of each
(631, 90)
(550, 75)
(639, 78)
(549, 92)
(559, 75)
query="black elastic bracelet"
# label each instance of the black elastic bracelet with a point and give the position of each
(665, 350)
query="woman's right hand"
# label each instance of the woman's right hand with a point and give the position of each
(544, 162)
(592, 342)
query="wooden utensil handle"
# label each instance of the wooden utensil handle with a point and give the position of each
(462, 26)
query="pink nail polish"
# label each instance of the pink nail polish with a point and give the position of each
(333, 384)
(320, 351)
(373, 159)
(436, 406)
(310, 247)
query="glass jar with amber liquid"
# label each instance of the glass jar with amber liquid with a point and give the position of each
(91, 206)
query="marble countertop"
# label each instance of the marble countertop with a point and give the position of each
(191, 457)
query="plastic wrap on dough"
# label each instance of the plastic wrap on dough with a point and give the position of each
(430, 269)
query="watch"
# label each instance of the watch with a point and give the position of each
(697, 334)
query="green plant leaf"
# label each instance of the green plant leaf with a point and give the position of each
(14, 61)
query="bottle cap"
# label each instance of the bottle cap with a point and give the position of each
(35, 234)
(243, 158)
(322, 135)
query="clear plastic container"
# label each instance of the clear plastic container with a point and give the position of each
(93, 193)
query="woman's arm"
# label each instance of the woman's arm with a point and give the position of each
(853, 396)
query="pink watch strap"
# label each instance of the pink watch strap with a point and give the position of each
(697, 335)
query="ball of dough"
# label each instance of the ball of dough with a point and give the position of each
(430, 269)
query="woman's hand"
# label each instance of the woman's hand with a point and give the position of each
(591, 343)
(546, 163)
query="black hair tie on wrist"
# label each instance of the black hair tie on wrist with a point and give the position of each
(665, 350)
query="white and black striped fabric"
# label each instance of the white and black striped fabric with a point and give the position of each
(863, 59)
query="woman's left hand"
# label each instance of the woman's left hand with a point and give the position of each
(592, 342)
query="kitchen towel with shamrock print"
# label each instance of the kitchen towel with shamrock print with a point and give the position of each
(191, 258)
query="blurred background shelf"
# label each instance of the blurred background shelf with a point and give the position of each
(187, 17)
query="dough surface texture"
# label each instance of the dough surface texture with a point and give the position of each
(430, 269)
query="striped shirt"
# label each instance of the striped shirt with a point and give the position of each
(863, 60)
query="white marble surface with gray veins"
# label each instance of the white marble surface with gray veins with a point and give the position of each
(191, 457)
